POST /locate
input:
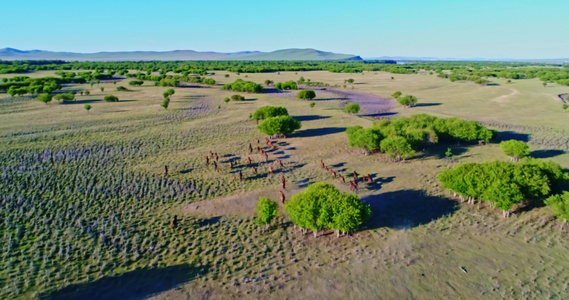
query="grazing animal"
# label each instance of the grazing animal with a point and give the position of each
(165, 170)
(240, 176)
(342, 179)
(216, 157)
(174, 223)
(355, 177)
(273, 147)
(257, 141)
(333, 174)
(254, 170)
(211, 154)
(270, 169)
(282, 197)
(230, 165)
(207, 160)
(250, 148)
(353, 186)
(322, 165)
(280, 163)
(369, 179)
(215, 166)
(283, 182)
(248, 160)
(266, 156)
(326, 167)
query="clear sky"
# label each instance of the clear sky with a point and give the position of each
(438, 28)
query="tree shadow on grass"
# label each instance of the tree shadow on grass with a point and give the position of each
(319, 131)
(439, 150)
(427, 104)
(405, 209)
(380, 114)
(310, 118)
(512, 135)
(209, 221)
(546, 153)
(86, 101)
(138, 284)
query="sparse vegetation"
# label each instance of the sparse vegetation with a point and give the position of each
(352, 108)
(111, 98)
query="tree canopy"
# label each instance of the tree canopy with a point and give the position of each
(266, 211)
(559, 204)
(284, 125)
(352, 108)
(288, 85)
(111, 98)
(265, 112)
(45, 98)
(407, 100)
(515, 149)
(240, 85)
(306, 94)
(322, 205)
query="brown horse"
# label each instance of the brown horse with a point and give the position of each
(248, 160)
(342, 179)
(240, 176)
(270, 169)
(333, 174)
(254, 170)
(355, 177)
(282, 197)
(369, 179)
(322, 165)
(165, 170)
(283, 182)
(266, 156)
(207, 160)
(250, 148)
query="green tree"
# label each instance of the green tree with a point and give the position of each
(266, 211)
(515, 149)
(503, 195)
(266, 112)
(312, 104)
(88, 107)
(351, 80)
(448, 153)
(102, 89)
(397, 147)
(268, 82)
(165, 103)
(237, 97)
(226, 99)
(352, 108)
(306, 94)
(45, 98)
(284, 125)
(407, 100)
(65, 97)
(323, 205)
(396, 95)
(367, 139)
(87, 93)
(559, 204)
(111, 98)
(565, 106)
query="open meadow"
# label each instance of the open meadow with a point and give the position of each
(86, 208)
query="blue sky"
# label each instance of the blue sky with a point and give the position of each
(439, 28)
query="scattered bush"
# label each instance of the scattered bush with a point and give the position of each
(87, 107)
(169, 82)
(396, 95)
(237, 97)
(123, 89)
(352, 108)
(136, 82)
(269, 82)
(284, 125)
(289, 85)
(168, 93)
(45, 98)
(397, 148)
(312, 104)
(226, 99)
(266, 211)
(65, 97)
(111, 98)
(165, 103)
(306, 94)
(408, 100)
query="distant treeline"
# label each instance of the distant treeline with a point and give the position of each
(478, 72)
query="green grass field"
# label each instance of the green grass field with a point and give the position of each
(87, 210)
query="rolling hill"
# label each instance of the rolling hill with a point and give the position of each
(285, 54)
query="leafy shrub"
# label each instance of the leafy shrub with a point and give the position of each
(352, 108)
(266, 211)
(136, 82)
(397, 147)
(111, 98)
(288, 85)
(284, 125)
(306, 94)
(237, 97)
(559, 204)
(65, 97)
(396, 95)
(45, 98)
(240, 85)
(123, 89)
(408, 100)
(515, 149)
(266, 112)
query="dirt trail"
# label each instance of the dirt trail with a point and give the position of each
(505, 98)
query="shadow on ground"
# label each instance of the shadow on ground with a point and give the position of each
(427, 104)
(137, 284)
(318, 131)
(546, 153)
(512, 135)
(405, 209)
(380, 114)
(310, 118)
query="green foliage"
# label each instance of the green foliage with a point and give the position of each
(87, 93)
(65, 97)
(102, 89)
(168, 93)
(111, 98)
(226, 99)
(165, 103)
(407, 100)
(397, 147)
(565, 106)
(284, 125)
(367, 139)
(240, 85)
(559, 204)
(515, 149)
(123, 89)
(350, 80)
(237, 97)
(168, 82)
(312, 104)
(265, 112)
(396, 95)
(266, 211)
(288, 85)
(306, 94)
(45, 98)
(352, 108)
(504, 183)
(136, 82)
(322, 205)
(448, 153)
(209, 81)
(87, 107)
(269, 82)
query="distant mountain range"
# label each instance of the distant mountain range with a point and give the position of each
(411, 58)
(285, 54)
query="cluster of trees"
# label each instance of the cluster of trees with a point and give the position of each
(237, 97)
(287, 85)
(504, 184)
(266, 112)
(322, 205)
(279, 125)
(559, 204)
(407, 100)
(169, 82)
(21, 85)
(306, 94)
(65, 97)
(241, 85)
(123, 89)
(136, 82)
(168, 93)
(401, 137)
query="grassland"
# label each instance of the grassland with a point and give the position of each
(86, 208)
